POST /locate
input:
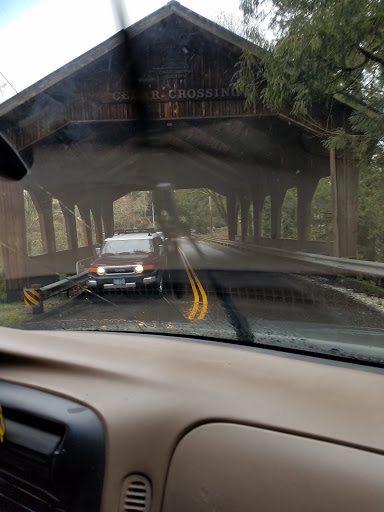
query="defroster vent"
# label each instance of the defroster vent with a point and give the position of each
(136, 494)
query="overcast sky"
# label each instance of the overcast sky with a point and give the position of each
(39, 36)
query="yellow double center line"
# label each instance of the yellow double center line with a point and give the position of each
(196, 288)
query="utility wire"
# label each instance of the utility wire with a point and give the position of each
(8, 82)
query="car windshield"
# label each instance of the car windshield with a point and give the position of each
(248, 134)
(133, 246)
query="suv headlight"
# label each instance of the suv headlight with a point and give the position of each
(139, 269)
(100, 271)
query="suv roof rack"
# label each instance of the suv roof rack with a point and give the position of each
(127, 231)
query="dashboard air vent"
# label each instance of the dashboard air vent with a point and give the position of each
(52, 454)
(136, 494)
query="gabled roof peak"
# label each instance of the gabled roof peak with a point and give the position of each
(172, 7)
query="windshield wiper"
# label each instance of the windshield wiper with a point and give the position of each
(238, 321)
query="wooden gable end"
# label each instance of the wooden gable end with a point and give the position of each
(184, 72)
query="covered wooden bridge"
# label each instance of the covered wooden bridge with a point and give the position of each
(78, 130)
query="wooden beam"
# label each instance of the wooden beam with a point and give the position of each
(335, 209)
(345, 187)
(68, 209)
(305, 192)
(244, 210)
(13, 238)
(277, 199)
(97, 218)
(85, 214)
(232, 217)
(258, 198)
(211, 164)
(108, 219)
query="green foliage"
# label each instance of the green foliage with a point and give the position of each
(339, 139)
(60, 229)
(193, 209)
(249, 78)
(289, 215)
(79, 228)
(322, 212)
(34, 242)
(11, 315)
(321, 50)
(133, 211)
(266, 218)
(219, 208)
(363, 285)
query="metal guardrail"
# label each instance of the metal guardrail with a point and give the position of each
(36, 295)
(344, 266)
(50, 290)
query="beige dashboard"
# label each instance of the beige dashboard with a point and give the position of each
(216, 427)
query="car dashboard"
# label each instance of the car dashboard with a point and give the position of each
(136, 423)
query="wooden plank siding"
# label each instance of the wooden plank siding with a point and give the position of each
(13, 237)
(99, 91)
(176, 60)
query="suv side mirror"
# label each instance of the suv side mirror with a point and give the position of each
(98, 251)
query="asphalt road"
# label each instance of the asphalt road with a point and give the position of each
(213, 291)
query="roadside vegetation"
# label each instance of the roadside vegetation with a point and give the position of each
(11, 315)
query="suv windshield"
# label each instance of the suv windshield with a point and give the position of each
(249, 134)
(133, 246)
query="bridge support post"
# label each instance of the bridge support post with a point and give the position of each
(13, 238)
(85, 213)
(277, 199)
(244, 211)
(345, 187)
(68, 209)
(305, 192)
(258, 199)
(96, 212)
(232, 216)
(107, 215)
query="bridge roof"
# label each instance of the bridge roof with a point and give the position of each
(81, 119)
(172, 7)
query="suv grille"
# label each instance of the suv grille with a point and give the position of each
(119, 270)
